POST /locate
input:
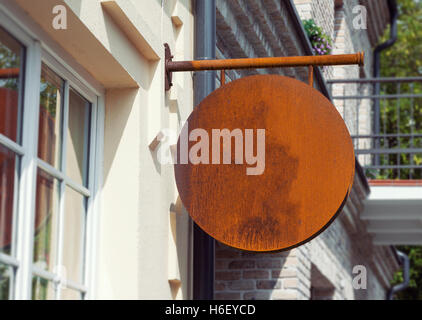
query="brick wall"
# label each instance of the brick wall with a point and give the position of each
(246, 275)
(321, 269)
(336, 19)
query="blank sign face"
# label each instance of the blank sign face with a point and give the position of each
(266, 195)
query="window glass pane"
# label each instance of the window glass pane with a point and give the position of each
(78, 138)
(7, 190)
(42, 289)
(6, 274)
(11, 78)
(74, 235)
(50, 118)
(46, 212)
(69, 294)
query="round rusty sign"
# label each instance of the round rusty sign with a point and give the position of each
(264, 163)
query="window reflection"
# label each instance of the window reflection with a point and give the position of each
(74, 235)
(77, 138)
(50, 118)
(11, 64)
(46, 212)
(5, 281)
(42, 289)
(69, 294)
(7, 186)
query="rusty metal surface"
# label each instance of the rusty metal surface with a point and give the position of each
(311, 76)
(269, 62)
(222, 77)
(9, 73)
(309, 165)
(168, 75)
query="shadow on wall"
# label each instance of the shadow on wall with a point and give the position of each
(76, 6)
(170, 5)
(253, 276)
(321, 287)
(135, 63)
(119, 105)
(180, 227)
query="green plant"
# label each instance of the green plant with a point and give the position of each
(403, 59)
(322, 43)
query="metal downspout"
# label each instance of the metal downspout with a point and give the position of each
(204, 84)
(392, 6)
(406, 276)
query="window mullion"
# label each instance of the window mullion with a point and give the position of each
(6, 259)
(26, 207)
(5, 141)
(60, 266)
(96, 135)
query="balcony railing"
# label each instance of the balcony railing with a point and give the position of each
(386, 128)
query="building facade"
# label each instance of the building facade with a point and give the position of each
(325, 267)
(87, 210)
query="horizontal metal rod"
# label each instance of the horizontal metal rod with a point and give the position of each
(269, 62)
(375, 80)
(381, 96)
(9, 73)
(387, 135)
(393, 167)
(8, 260)
(388, 151)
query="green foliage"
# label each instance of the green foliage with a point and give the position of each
(414, 291)
(8, 59)
(322, 43)
(49, 94)
(403, 59)
(4, 282)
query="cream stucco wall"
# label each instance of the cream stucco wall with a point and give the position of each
(137, 252)
(142, 249)
(136, 255)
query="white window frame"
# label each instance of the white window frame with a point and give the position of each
(38, 51)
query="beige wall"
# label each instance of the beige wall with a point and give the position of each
(136, 257)
(143, 250)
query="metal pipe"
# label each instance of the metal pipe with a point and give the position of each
(392, 6)
(204, 84)
(222, 77)
(380, 96)
(300, 33)
(406, 276)
(387, 135)
(269, 62)
(373, 80)
(9, 73)
(311, 76)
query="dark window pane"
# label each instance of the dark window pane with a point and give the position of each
(42, 289)
(74, 235)
(6, 275)
(50, 119)
(46, 212)
(11, 79)
(7, 186)
(77, 138)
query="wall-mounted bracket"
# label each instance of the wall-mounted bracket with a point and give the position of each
(168, 58)
(255, 63)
